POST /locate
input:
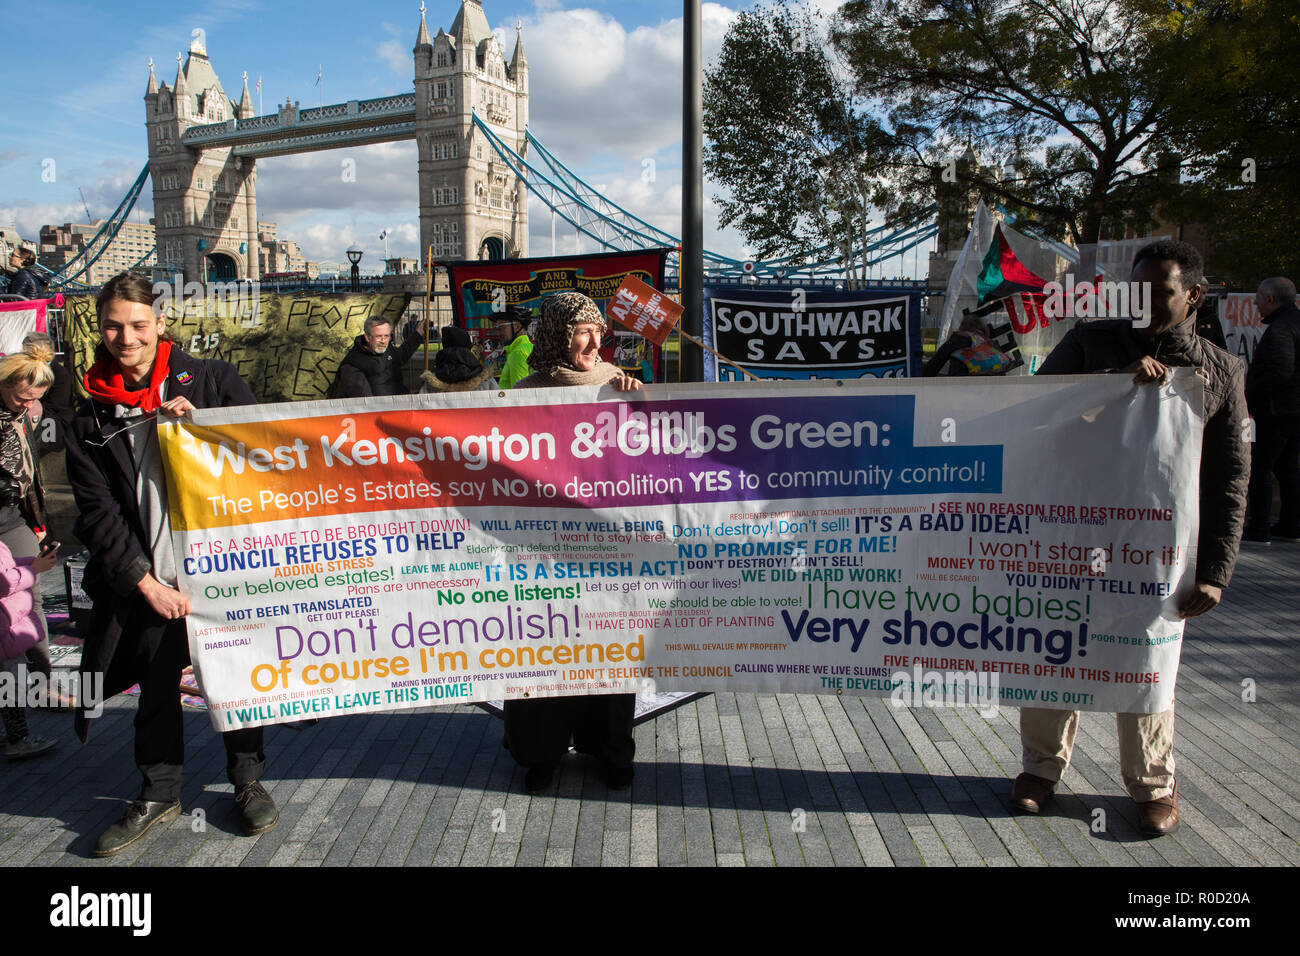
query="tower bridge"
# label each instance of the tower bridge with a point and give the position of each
(204, 146)
(292, 130)
(468, 114)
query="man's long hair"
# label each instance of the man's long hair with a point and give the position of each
(126, 287)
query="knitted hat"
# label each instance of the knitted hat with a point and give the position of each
(561, 314)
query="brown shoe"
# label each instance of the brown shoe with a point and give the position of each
(1158, 817)
(1030, 793)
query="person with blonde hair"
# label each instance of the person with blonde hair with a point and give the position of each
(24, 379)
(59, 403)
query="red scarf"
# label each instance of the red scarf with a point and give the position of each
(104, 381)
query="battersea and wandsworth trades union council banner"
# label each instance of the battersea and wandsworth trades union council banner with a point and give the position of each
(867, 539)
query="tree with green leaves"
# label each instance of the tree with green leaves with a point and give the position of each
(1235, 128)
(1088, 117)
(802, 162)
(1061, 95)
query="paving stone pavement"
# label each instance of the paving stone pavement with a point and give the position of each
(726, 780)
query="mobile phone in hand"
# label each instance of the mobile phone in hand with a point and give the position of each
(49, 547)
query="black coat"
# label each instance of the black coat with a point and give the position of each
(18, 509)
(27, 283)
(58, 407)
(363, 373)
(1112, 346)
(102, 473)
(1273, 380)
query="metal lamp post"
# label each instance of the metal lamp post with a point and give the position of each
(354, 256)
(690, 268)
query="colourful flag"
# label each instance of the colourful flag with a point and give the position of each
(1003, 274)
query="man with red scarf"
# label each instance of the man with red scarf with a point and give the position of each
(137, 632)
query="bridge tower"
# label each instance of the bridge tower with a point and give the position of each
(471, 205)
(205, 201)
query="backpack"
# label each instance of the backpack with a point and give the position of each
(982, 357)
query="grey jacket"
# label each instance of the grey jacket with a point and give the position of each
(1113, 346)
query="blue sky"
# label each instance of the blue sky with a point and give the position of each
(605, 80)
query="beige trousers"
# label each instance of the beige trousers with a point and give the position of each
(1146, 748)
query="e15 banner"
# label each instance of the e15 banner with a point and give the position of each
(799, 333)
(847, 538)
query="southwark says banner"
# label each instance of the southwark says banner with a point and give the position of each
(849, 539)
(797, 333)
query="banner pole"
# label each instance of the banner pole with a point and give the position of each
(428, 303)
(679, 352)
(744, 371)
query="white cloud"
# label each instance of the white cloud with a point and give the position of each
(102, 196)
(28, 217)
(394, 52)
(320, 239)
(326, 239)
(596, 86)
(379, 179)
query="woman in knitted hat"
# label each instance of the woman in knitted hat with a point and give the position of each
(566, 347)
(566, 343)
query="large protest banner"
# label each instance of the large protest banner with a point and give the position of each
(287, 347)
(835, 538)
(792, 332)
(482, 290)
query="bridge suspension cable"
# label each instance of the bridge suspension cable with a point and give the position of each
(614, 228)
(593, 215)
(102, 238)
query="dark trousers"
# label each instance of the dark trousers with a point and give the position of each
(539, 731)
(1276, 452)
(161, 652)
